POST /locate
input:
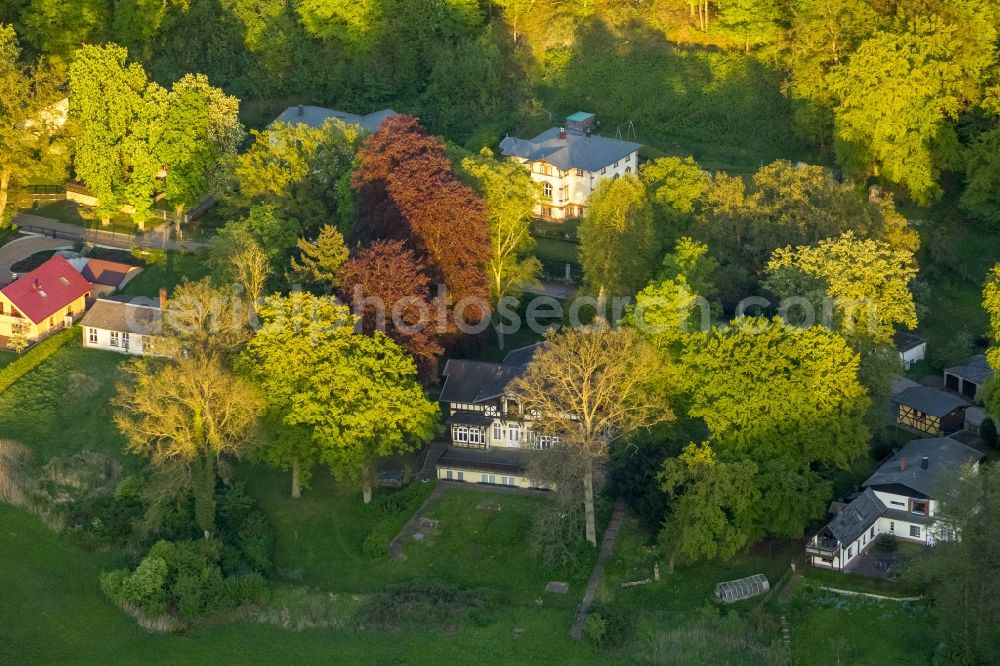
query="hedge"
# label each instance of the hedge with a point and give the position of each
(34, 357)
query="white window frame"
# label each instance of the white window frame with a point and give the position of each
(915, 532)
(92, 335)
(125, 340)
(115, 339)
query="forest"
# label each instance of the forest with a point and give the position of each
(902, 91)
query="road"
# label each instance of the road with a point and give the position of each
(24, 247)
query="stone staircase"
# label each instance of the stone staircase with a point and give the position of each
(428, 468)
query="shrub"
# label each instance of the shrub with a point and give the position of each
(388, 513)
(35, 357)
(886, 543)
(429, 605)
(608, 626)
(246, 529)
(182, 578)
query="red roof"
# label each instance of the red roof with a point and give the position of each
(108, 273)
(46, 290)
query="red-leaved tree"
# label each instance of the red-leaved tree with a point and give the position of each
(408, 191)
(389, 288)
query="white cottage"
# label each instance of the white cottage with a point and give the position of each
(123, 327)
(897, 499)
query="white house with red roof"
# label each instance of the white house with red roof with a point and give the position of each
(44, 300)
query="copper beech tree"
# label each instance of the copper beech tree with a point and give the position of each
(591, 387)
(389, 289)
(408, 191)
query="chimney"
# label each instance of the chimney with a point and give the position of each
(302, 110)
(902, 464)
(562, 133)
(163, 298)
(925, 462)
(36, 285)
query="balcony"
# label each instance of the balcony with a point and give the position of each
(823, 547)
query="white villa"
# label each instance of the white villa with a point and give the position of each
(569, 162)
(123, 327)
(897, 499)
(487, 427)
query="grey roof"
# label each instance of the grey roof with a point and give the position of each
(114, 315)
(908, 517)
(475, 382)
(856, 517)
(900, 384)
(975, 369)
(488, 460)
(930, 400)
(906, 341)
(576, 151)
(315, 116)
(975, 416)
(943, 454)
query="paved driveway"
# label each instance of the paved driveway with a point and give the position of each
(24, 247)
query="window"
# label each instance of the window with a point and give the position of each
(114, 338)
(461, 476)
(52, 322)
(1, 308)
(892, 527)
(514, 433)
(92, 336)
(147, 343)
(915, 531)
(871, 532)
(447, 474)
(497, 432)
(469, 435)
(919, 507)
(547, 190)
(628, 169)
(507, 480)
(579, 172)
(850, 552)
(488, 478)
(604, 169)
(564, 193)
(616, 163)
(124, 340)
(546, 211)
(896, 503)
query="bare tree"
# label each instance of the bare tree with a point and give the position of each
(591, 387)
(251, 267)
(192, 412)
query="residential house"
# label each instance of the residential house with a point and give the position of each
(970, 376)
(569, 162)
(43, 301)
(123, 327)
(928, 411)
(912, 348)
(487, 429)
(315, 116)
(898, 499)
(105, 277)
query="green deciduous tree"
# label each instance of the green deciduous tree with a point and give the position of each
(708, 498)
(752, 22)
(592, 387)
(618, 242)
(786, 398)
(868, 282)
(348, 399)
(31, 139)
(296, 168)
(981, 196)
(59, 27)
(899, 93)
(510, 196)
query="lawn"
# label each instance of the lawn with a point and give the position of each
(168, 273)
(61, 616)
(62, 406)
(828, 629)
